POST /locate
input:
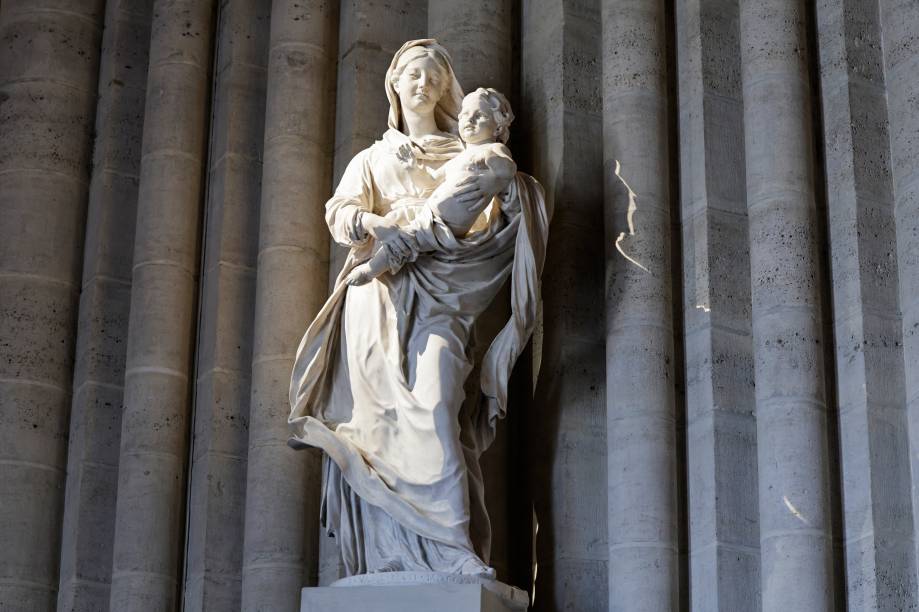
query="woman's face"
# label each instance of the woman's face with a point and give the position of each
(421, 85)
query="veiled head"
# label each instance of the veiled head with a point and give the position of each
(421, 78)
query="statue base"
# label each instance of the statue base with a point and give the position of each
(414, 592)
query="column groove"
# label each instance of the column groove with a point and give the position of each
(217, 477)
(643, 501)
(49, 67)
(899, 24)
(281, 532)
(788, 322)
(98, 393)
(150, 503)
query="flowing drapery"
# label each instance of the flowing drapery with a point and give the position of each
(379, 375)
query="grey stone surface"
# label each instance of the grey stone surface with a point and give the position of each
(49, 62)
(217, 487)
(879, 543)
(150, 502)
(796, 553)
(95, 418)
(51, 359)
(720, 420)
(280, 552)
(640, 401)
(478, 36)
(564, 423)
(900, 46)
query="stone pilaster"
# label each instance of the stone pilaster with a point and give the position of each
(641, 429)
(788, 332)
(370, 33)
(217, 487)
(95, 419)
(150, 507)
(479, 36)
(280, 553)
(721, 426)
(49, 67)
(900, 22)
(565, 422)
(880, 548)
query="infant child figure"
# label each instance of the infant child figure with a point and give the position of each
(484, 119)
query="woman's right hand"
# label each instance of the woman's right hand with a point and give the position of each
(385, 230)
(473, 189)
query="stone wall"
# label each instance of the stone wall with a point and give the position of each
(719, 409)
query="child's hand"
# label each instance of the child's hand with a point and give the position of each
(406, 155)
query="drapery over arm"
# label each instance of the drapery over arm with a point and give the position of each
(353, 197)
(529, 254)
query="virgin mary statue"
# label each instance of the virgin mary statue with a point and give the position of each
(379, 375)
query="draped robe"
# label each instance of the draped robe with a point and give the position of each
(378, 381)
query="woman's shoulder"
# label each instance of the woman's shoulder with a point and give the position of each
(381, 151)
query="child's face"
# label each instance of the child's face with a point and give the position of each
(476, 120)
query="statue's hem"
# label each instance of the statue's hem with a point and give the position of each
(370, 487)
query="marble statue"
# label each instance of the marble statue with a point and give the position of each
(436, 218)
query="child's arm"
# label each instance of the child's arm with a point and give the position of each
(436, 175)
(501, 164)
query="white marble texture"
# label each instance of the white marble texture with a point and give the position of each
(378, 383)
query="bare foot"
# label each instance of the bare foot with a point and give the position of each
(390, 565)
(361, 275)
(474, 567)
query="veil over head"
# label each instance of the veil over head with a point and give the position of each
(448, 107)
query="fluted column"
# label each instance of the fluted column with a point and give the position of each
(49, 64)
(95, 419)
(641, 437)
(150, 509)
(280, 553)
(900, 22)
(565, 422)
(217, 487)
(880, 548)
(901, 59)
(478, 35)
(721, 426)
(788, 338)
(369, 35)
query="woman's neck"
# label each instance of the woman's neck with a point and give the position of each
(419, 125)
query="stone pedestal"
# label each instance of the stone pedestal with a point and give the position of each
(414, 592)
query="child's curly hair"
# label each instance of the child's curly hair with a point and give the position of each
(503, 114)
